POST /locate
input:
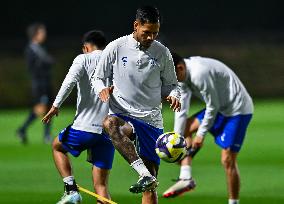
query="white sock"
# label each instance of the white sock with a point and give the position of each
(140, 167)
(185, 172)
(69, 180)
(234, 201)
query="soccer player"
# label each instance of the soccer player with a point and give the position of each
(142, 73)
(228, 111)
(39, 66)
(86, 129)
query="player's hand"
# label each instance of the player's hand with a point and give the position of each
(105, 93)
(174, 103)
(52, 112)
(197, 142)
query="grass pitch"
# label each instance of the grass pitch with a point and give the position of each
(28, 175)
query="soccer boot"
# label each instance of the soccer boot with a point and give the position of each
(145, 183)
(72, 197)
(180, 187)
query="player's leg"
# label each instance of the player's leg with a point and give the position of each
(185, 181)
(61, 159)
(150, 197)
(40, 110)
(101, 156)
(36, 93)
(47, 135)
(229, 161)
(68, 141)
(100, 180)
(120, 133)
(45, 103)
(192, 125)
(22, 131)
(145, 141)
(231, 139)
(63, 166)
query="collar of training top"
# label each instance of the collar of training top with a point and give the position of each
(96, 51)
(135, 43)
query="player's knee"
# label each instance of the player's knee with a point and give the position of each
(192, 125)
(110, 122)
(56, 145)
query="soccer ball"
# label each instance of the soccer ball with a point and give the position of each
(171, 147)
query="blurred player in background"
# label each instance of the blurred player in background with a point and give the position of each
(142, 73)
(86, 130)
(39, 66)
(228, 111)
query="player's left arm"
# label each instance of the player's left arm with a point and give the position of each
(170, 89)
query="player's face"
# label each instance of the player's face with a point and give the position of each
(181, 72)
(146, 33)
(41, 35)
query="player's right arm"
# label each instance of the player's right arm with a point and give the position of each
(181, 116)
(73, 76)
(103, 72)
(205, 84)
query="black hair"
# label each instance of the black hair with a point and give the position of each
(95, 37)
(148, 14)
(177, 59)
(33, 29)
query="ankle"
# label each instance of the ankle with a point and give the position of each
(140, 168)
(185, 172)
(70, 184)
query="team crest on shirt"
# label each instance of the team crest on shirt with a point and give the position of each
(124, 61)
(153, 61)
(138, 63)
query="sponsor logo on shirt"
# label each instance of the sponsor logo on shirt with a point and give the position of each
(124, 61)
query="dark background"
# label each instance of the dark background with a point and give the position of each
(245, 35)
(74, 17)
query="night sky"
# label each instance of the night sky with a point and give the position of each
(73, 17)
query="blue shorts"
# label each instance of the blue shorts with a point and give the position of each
(101, 150)
(146, 136)
(229, 132)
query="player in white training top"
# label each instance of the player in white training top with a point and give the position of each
(142, 74)
(86, 130)
(228, 111)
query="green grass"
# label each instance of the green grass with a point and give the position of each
(28, 175)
